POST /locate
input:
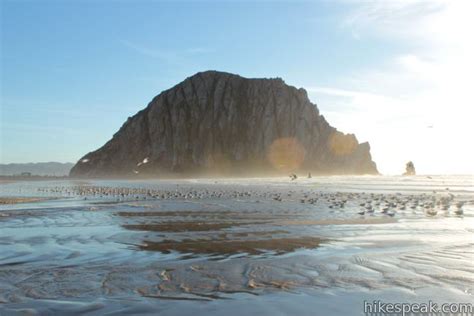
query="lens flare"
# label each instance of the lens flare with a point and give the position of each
(286, 154)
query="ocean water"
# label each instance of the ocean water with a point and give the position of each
(211, 246)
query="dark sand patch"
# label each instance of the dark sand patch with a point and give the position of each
(260, 217)
(16, 200)
(175, 213)
(229, 247)
(266, 233)
(349, 221)
(5, 181)
(176, 227)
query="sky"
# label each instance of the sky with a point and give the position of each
(397, 74)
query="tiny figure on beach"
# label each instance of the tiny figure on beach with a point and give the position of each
(309, 175)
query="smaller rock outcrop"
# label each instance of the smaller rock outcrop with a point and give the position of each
(409, 169)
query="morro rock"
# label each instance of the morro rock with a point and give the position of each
(216, 123)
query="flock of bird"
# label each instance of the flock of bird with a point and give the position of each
(390, 204)
(363, 203)
(430, 205)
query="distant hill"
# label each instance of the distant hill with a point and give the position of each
(40, 168)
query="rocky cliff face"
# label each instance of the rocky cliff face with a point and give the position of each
(220, 123)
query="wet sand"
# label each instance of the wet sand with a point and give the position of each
(105, 247)
(16, 200)
(353, 221)
(5, 181)
(225, 246)
(180, 226)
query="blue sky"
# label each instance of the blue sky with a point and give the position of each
(73, 71)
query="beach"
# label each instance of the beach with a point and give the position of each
(211, 246)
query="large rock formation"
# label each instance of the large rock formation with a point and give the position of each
(220, 123)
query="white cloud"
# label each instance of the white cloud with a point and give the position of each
(166, 56)
(391, 105)
(394, 18)
(171, 57)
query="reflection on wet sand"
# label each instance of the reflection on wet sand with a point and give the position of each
(226, 243)
(255, 234)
